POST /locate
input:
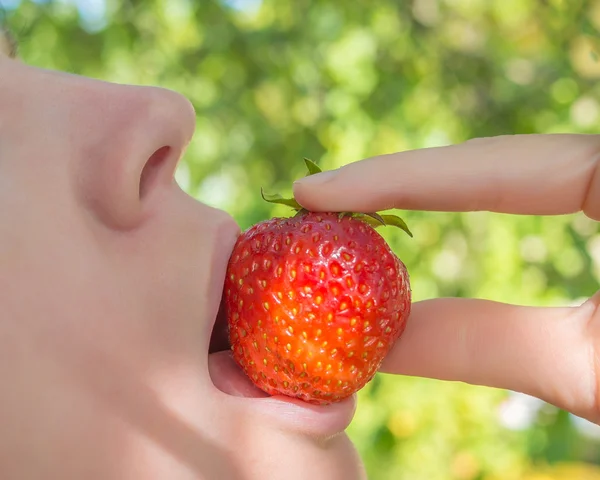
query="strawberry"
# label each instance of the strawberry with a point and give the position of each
(315, 302)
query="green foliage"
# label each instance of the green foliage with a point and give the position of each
(340, 81)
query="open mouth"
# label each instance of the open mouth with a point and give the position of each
(225, 373)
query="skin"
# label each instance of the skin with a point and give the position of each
(110, 284)
(550, 353)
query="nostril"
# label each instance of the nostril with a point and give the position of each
(151, 169)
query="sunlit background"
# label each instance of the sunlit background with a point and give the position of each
(274, 81)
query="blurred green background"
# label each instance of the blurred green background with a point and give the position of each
(275, 80)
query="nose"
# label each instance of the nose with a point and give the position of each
(129, 140)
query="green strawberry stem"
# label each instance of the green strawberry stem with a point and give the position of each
(312, 167)
(276, 198)
(372, 218)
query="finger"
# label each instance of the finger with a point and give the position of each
(524, 174)
(544, 352)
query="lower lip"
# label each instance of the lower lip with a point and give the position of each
(313, 419)
(230, 379)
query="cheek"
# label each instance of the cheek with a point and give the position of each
(46, 261)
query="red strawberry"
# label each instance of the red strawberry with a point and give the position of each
(314, 303)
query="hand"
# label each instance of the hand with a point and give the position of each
(550, 353)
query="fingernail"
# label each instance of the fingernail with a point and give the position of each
(317, 178)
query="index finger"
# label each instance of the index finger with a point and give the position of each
(523, 174)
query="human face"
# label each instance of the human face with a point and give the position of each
(110, 285)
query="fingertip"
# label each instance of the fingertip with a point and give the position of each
(307, 192)
(318, 179)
